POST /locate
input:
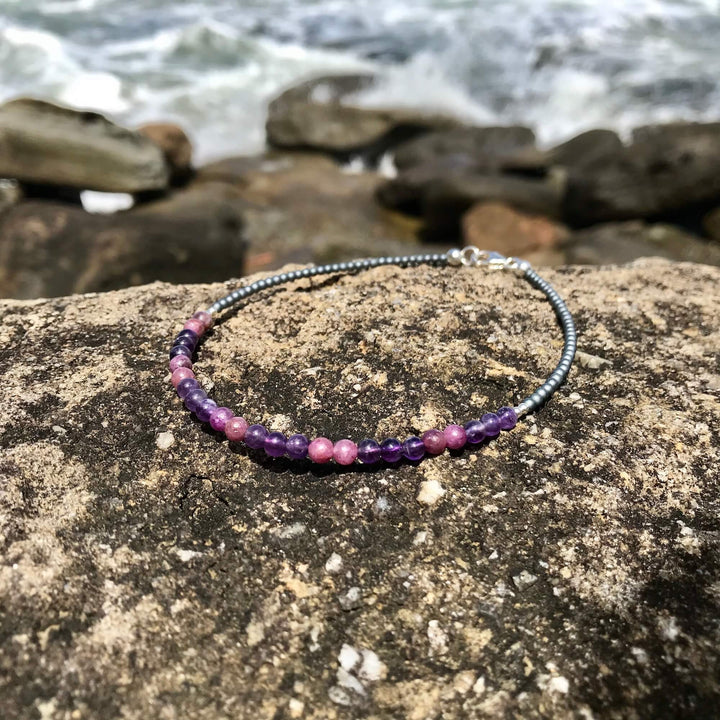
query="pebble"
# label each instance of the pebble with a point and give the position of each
(352, 599)
(164, 440)
(524, 580)
(430, 492)
(333, 564)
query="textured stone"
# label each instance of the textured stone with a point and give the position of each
(197, 580)
(176, 147)
(711, 224)
(48, 144)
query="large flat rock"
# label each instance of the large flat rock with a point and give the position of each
(570, 568)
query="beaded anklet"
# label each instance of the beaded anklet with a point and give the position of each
(346, 452)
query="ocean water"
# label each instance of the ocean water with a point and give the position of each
(559, 66)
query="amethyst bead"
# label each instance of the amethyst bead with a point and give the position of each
(368, 451)
(491, 423)
(507, 417)
(219, 418)
(194, 398)
(190, 334)
(184, 340)
(413, 448)
(205, 410)
(275, 444)
(297, 446)
(255, 436)
(391, 450)
(187, 385)
(474, 431)
(180, 350)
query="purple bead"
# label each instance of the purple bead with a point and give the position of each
(368, 451)
(474, 431)
(190, 334)
(391, 450)
(185, 342)
(180, 350)
(186, 385)
(491, 423)
(508, 418)
(219, 418)
(205, 410)
(255, 436)
(297, 446)
(413, 448)
(275, 444)
(194, 398)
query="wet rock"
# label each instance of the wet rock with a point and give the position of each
(49, 249)
(585, 149)
(176, 147)
(324, 114)
(52, 145)
(10, 194)
(623, 242)
(135, 576)
(493, 226)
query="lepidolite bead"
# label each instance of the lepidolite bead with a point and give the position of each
(297, 446)
(206, 409)
(180, 361)
(391, 450)
(275, 444)
(236, 428)
(219, 418)
(204, 317)
(255, 436)
(180, 350)
(455, 436)
(507, 417)
(345, 452)
(181, 374)
(368, 451)
(434, 441)
(186, 386)
(320, 450)
(195, 325)
(474, 431)
(491, 423)
(413, 448)
(194, 398)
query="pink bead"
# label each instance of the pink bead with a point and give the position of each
(235, 428)
(434, 441)
(195, 325)
(320, 450)
(180, 361)
(219, 418)
(455, 436)
(345, 452)
(204, 317)
(180, 374)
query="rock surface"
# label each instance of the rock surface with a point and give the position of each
(176, 147)
(48, 144)
(569, 569)
(324, 114)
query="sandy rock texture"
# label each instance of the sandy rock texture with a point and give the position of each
(568, 569)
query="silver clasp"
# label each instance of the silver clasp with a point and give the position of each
(471, 256)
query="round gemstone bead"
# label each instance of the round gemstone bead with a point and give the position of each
(219, 418)
(185, 340)
(236, 428)
(186, 386)
(474, 431)
(180, 361)
(320, 450)
(491, 423)
(194, 398)
(345, 452)
(180, 350)
(205, 410)
(434, 441)
(507, 417)
(413, 448)
(368, 451)
(181, 374)
(275, 444)
(195, 325)
(255, 436)
(190, 334)
(391, 450)
(204, 317)
(455, 436)
(297, 446)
